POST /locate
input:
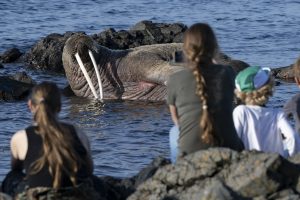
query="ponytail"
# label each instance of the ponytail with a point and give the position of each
(58, 149)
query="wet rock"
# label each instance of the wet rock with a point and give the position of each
(16, 87)
(284, 72)
(142, 33)
(23, 77)
(1, 66)
(46, 54)
(220, 173)
(10, 55)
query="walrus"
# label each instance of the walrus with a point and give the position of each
(138, 73)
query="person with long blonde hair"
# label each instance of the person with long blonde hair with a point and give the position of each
(53, 154)
(260, 127)
(200, 97)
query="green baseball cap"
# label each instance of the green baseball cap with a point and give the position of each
(252, 78)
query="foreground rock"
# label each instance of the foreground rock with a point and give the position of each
(214, 174)
(107, 188)
(221, 173)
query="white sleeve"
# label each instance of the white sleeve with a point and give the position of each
(238, 119)
(291, 138)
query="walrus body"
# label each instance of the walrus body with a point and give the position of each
(134, 74)
(139, 73)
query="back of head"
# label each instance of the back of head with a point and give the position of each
(200, 46)
(254, 85)
(46, 94)
(58, 149)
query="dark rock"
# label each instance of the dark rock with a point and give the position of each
(11, 55)
(220, 173)
(11, 89)
(23, 77)
(283, 72)
(1, 66)
(46, 54)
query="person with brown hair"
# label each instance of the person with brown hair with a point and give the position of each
(260, 127)
(292, 106)
(200, 97)
(52, 153)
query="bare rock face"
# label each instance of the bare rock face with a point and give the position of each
(212, 174)
(46, 54)
(220, 173)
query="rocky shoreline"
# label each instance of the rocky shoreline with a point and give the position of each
(46, 54)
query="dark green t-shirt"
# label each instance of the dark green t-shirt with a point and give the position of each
(220, 86)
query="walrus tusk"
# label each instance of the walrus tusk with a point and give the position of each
(86, 75)
(97, 73)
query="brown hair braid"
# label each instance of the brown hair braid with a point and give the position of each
(58, 148)
(200, 46)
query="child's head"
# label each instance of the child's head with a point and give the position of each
(254, 85)
(296, 68)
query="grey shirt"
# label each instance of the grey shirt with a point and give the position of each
(181, 93)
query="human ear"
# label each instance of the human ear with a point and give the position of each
(31, 106)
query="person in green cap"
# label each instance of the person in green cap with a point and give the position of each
(260, 127)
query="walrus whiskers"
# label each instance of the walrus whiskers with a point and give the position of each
(97, 74)
(86, 75)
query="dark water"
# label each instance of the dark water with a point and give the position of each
(125, 136)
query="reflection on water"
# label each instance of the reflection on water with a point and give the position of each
(122, 134)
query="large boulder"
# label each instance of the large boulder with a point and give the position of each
(220, 173)
(46, 54)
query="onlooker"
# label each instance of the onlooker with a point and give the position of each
(200, 97)
(52, 153)
(260, 127)
(292, 107)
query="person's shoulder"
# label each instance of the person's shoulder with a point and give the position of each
(182, 74)
(240, 107)
(18, 137)
(19, 133)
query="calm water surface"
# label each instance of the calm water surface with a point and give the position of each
(126, 136)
